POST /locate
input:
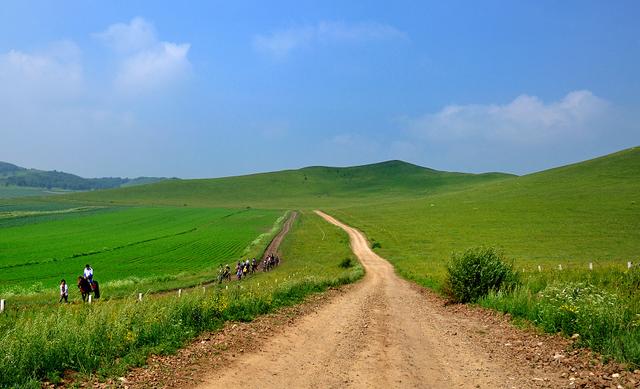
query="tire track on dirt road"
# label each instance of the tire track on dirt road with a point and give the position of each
(382, 333)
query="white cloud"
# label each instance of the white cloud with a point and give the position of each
(137, 35)
(145, 63)
(525, 120)
(280, 43)
(54, 73)
(150, 68)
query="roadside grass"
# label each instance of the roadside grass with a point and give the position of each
(108, 337)
(605, 319)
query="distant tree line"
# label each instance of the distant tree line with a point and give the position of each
(14, 175)
(64, 181)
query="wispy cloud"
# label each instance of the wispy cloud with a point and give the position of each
(526, 134)
(145, 63)
(525, 120)
(282, 42)
(136, 35)
(54, 73)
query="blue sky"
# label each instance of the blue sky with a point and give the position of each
(207, 89)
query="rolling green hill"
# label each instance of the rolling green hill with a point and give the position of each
(304, 188)
(571, 215)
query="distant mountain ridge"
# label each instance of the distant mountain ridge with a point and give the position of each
(13, 175)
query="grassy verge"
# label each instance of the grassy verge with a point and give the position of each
(602, 309)
(108, 337)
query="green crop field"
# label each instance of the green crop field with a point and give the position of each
(126, 246)
(12, 191)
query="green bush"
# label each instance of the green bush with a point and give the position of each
(346, 263)
(472, 274)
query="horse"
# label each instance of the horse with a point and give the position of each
(95, 288)
(84, 287)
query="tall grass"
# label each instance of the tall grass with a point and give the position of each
(109, 337)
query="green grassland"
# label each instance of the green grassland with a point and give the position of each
(415, 217)
(127, 247)
(106, 338)
(569, 216)
(587, 212)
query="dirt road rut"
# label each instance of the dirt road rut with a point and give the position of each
(382, 334)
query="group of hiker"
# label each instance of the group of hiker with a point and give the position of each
(86, 286)
(246, 267)
(270, 262)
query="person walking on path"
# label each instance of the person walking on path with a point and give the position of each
(64, 291)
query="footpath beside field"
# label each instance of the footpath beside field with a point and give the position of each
(382, 333)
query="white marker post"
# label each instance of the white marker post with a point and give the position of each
(226, 287)
(559, 267)
(590, 265)
(179, 292)
(89, 299)
(539, 268)
(139, 296)
(629, 264)
(1, 305)
(204, 289)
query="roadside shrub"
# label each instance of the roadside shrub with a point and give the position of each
(474, 273)
(346, 263)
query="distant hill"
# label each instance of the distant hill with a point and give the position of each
(307, 187)
(583, 212)
(15, 176)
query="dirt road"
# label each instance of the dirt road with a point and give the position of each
(381, 334)
(274, 246)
